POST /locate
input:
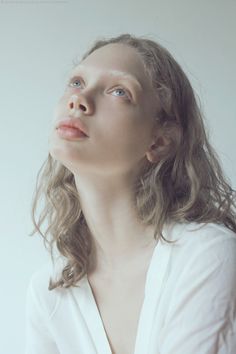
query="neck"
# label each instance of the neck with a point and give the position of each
(119, 238)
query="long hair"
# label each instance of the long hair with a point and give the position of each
(187, 184)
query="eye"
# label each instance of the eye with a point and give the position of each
(74, 82)
(119, 89)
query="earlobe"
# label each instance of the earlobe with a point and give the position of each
(158, 149)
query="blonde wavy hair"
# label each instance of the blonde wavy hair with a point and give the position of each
(188, 184)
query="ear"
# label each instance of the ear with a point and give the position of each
(158, 148)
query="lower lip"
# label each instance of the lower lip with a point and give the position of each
(70, 133)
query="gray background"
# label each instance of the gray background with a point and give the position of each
(39, 41)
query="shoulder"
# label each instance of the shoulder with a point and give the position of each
(202, 246)
(200, 297)
(38, 292)
(202, 269)
(201, 235)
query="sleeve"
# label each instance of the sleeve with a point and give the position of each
(202, 315)
(38, 337)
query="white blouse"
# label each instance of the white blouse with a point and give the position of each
(189, 305)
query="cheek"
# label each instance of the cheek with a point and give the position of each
(129, 132)
(134, 127)
(119, 117)
(60, 110)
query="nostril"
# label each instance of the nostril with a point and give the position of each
(82, 107)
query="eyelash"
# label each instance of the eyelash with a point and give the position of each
(118, 88)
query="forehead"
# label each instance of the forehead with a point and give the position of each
(105, 73)
(115, 60)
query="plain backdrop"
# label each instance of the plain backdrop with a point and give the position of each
(39, 41)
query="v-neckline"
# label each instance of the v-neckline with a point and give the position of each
(152, 292)
(99, 318)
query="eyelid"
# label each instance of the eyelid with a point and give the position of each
(128, 95)
(71, 80)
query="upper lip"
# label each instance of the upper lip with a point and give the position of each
(73, 123)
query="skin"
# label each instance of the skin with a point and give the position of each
(123, 135)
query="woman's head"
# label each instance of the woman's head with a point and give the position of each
(111, 93)
(180, 180)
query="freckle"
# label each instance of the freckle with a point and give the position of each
(71, 105)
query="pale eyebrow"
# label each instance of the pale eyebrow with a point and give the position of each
(112, 73)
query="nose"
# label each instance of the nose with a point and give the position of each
(79, 103)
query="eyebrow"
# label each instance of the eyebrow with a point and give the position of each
(113, 73)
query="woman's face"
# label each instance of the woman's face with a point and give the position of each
(112, 96)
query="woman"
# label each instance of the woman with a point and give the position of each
(140, 212)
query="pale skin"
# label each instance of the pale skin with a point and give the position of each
(123, 135)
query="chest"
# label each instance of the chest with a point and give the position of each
(119, 306)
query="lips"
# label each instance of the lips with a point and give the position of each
(73, 123)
